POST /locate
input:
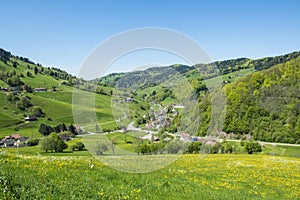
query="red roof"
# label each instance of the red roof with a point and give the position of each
(16, 136)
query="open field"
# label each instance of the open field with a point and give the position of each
(190, 177)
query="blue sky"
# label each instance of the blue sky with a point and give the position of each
(63, 33)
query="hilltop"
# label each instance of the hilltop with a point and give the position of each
(206, 71)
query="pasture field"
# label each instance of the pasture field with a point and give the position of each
(190, 177)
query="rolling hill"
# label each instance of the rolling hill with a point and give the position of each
(26, 85)
(260, 95)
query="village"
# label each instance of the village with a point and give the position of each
(13, 140)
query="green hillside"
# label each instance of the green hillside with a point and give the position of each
(250, 86)
(264, 104)
(262, 95)
(19, 78)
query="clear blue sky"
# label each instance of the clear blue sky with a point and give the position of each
(62, 33)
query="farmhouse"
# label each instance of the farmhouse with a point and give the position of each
(30, 118)
(178, 106)
(12, 140)
(4, 89)
(15, 136)
(40, 89)
(130, 99)
(8, 143)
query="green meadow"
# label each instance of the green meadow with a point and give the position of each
(189, 177)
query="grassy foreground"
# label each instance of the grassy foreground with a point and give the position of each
(190, 177)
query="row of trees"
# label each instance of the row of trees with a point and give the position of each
(176, 147)
(47, 129)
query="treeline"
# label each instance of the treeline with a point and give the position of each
(33, 68)
(175, 147)
(4, 55)
(50, 71)
(228, 66)
(265, 104)
(205, 71)
(47, 129)
(109, 80)
(92, 86)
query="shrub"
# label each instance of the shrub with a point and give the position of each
(226, 148)
(252, 147)
(194, 147)
(78, 146)
(33, 142)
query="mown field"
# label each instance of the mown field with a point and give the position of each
(190, 177)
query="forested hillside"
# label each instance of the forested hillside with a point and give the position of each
(265, 104)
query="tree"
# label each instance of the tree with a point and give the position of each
(97, 128)
(36, 70)
(56, 129)
(78, 145)
(45, 144)
(175, 146)
(33, 142)
(215, 148)
(27, 88)
(62, 127)
(252, 146)
(101, 147)
(28, 73)
(113, 145)
(144, 149)
(194, 147)
(9, 97)
(226, 148)
(37, 111)
(72, 129)
(15, 64)
(16, 80)
(26, 102)
(45, 130)
(53, 143)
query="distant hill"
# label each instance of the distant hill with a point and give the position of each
(205, 71)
